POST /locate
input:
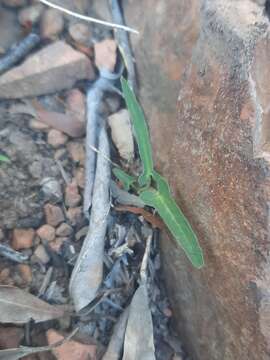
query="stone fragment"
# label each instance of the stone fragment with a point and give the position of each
(51, 188)
(46, 232)
(53, 214)
(81, 233)
(105, 54)
(57, 243)
(10, 337)
(41, 254)
(76, 151)
(25, 273)
(56, 138)
(14, 3)
(46, 72)
(2, 236)
(80, 33)
(80, 177)
(64, 230)
(71, 349)
(122, 134)
(76, 108)
(75, 215)
(72, 196)
(30, 15)
(51, 24)
(38, 125)
(4, 275)
(22, 238)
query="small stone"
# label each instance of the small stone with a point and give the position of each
(80, 177)
(38, 125)
(76, 151)
(10, 337)
(2, 236)
(76, 109)
(71, 349)
(51, 24)
(30, 15)
(72, 196)
(14, 3)
(41, 254)
(167, 312)
(105, 54)
(52, 189)
(56, 138)
(46, 232)
(122, 134)
(22, 238)
(57, 243)
(25, 273)
(46, 72)
(4, 275)
(80, 33)
(64, 230)
(54, 214)
(75, 215)
(81, 233)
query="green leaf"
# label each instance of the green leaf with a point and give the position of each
(126, 179)
(4, 158)
(141, 133)
(173, 217)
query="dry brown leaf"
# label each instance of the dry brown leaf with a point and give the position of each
(18, 307)
(152, 219)
(18, 353)
(65, 122)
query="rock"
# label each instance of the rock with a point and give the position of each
(80, 177)
(51, 24)
(72, 196)
(14, 3)
(53, 214)
(46, 232)
(64, 230)
(38, 125)
(81, 233)
(2, 235)
(76, 108)
(10, 337)
(22, 238)
(71, 349)
(25, 273)
(80, 33)
(122, 134)
(39, 75)
(75, 215)
(51, 188)
(41, 254)
(56, 138)
(30, 15)
(105, 54)
(4, 275)
(76, 151)
(57, 243)
(10, 29)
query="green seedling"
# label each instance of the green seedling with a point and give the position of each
(153, 189)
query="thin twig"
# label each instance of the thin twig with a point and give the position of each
(123, 43)
(19, 52)
(88, 18)
(11, 254)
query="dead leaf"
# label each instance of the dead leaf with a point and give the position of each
(152, 219)
(66, 122)
(18, 307)
(15, 354)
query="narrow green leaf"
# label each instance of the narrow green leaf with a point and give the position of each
(173, 217)
(4, 158)
(126, 179)
(141, 133)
